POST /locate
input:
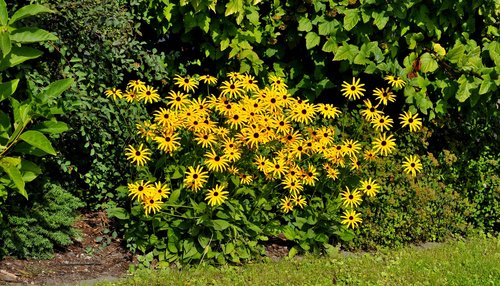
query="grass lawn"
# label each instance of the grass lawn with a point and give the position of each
(475, 261)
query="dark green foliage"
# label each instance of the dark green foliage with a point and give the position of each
(101, 47)
(40, 226)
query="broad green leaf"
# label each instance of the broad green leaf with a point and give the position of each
(456, 54)
(27, 11)
(174, 196)
(50, 126)
(439, 49)
(4, 15)
(346, 52)
(330, 46)
(29, 170)
(5, 127)
(220, 224)
(379, 19)
(485, 85)
(19, 55)
(327, 28)
(494, 51)
(312, 40)
(428, 63)
(8, 88)
(305, 25)
(293, 251)
(31, 35)
(463, 92)
(38, 140)
(25, 148)
(55, 89)
(234, 6)
(351, 18)
(119, 213)
(8, 164)
(5, 42)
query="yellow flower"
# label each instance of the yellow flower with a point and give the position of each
(327, 110)
(215, 162)
(382, 122)
(371, 111)
(299, 200)
(115, 93)
(232, 89)
(277, 83)
(354, 90)
(186, 83)
(351, 199)
(412, 165)
(351, 218)
(195, 178)
(168, 143)
(395, 81)
(411, 120)
(384, 95)
(216, 195)
(139, 156)
(151, 205)
(178, 100)
(139, 189)
(136, 85)
(208, 79)
(370, 187)
(286, 204)
(384, 145)
(292, 184)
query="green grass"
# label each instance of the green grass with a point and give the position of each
(475, 261)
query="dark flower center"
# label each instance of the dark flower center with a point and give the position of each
(412, 165)
(372, 109)
(186, 80)
(165, 116)
(410, 120)
(167, 139)
(368, 187)
(351, 218)
(277, 166)
(151, 201)
(351, 197)
(282, 123)
(250, 81)
(137, 153)
(236, 117)
(381, 121)
(205, 137)
(217, 158)
(178, 98)
(383, 143)
(273, 100)
(232, 86)
(300, 148)
(256, 135)
(216, 194)
(353, 88)
(140, 188)
(278, 81)
(289, 137)
(304, 111)
(195, 176)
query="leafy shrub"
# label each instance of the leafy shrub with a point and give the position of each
(219, 173)
(447, 52)
(42, 225)
(100, 44)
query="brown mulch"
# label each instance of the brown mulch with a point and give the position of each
(84, 262)
(88, 261)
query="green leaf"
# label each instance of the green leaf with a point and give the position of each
(456, 54)
(429, 64)
(463, 92)
(25, 148)
(38, 140)
(4, 15)
(174, 196)
(8, 88)
(54, 89)
(27, 11)
(234, 6)
(8, 164)
(346, 52)
(327, 28)
(119, 213)
(330, 45)
(305, 25)
(220, 224)
(351, 18)
(52, 127)
(31, 35)
(293, 251)
(5, 42)
(29, 170)
(312, 40)
(19, 55)
(485, 85)
(379, 19)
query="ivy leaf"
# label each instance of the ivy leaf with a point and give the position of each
(429, 64)
(38, 140)
(351, 18)
(312, 40)
(330, 46)
(304, 25)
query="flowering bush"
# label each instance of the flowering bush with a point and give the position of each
(216, 174)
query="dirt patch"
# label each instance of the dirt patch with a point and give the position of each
(84, 263)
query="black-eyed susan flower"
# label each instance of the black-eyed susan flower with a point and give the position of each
(277, 83)
(384, 145)
(303, 113)
(149, 95)
(249, 83)
(136, 85)
(195, 178)
(246, 179)
(370, 187)
(205, 139)
(411, 120)
(139, 189)
(216, 162)
(216, 196)
(165, 117)
(177, 100)
(351, 199)
(292, 184)
(277, 168)
(208, 79)
(351, 147)
(310, 176)
(114, 93)
(354, 90)
(299, 200)
(168, 142)
(160, 190)
(261, 162)
(188, 84)
(412, 165)
(332, 173)
(131, 95)
(382, 122)
(232, 89)
(152, 204)
(286, 205)
(139, 156)
(370, 112)
(395, 81)
(233, 154)
(384, 95)
(327, 110)
(370, 155)
(351, 218)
